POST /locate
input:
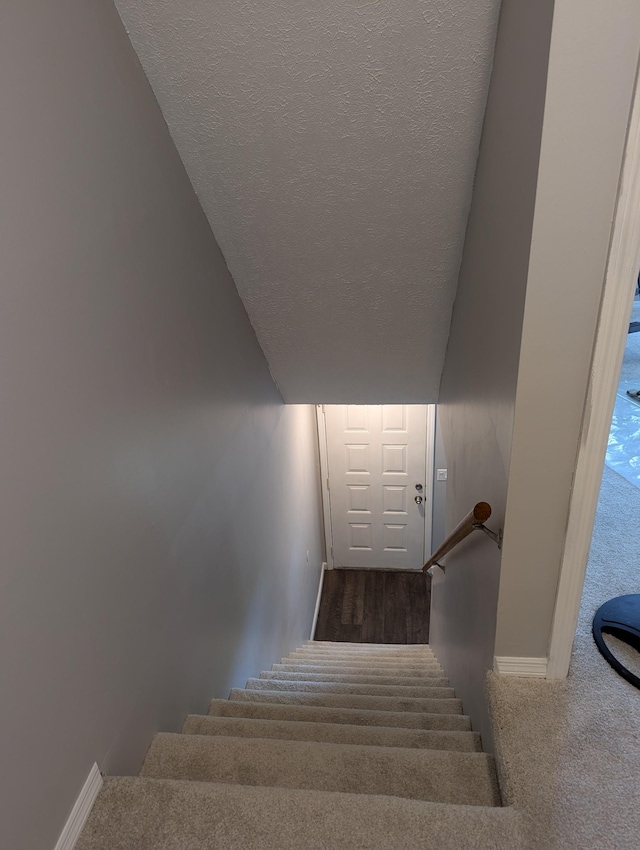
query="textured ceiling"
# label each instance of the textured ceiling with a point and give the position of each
(332, 145)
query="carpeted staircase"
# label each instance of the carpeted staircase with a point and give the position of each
(339, 746)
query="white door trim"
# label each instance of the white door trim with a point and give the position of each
(608, 352)
(324, 480)
(429, 477)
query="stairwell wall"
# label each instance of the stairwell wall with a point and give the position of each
(592, 72)
(477, 394)
(516, 374)
(158, 498)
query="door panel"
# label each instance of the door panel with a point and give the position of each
(376, 456)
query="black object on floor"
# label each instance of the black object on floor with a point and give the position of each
(619, 617)
(374, 606)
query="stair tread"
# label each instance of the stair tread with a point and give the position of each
(376, 703)
(364, 663)
(301, 686)
(328, 714)
(365, 646)
(440, 776)
(417, 681)
(426, 671)
(147, 814)
(339, 745)
(360, 658)
(391, 736)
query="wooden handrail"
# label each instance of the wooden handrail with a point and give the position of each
(476, 517)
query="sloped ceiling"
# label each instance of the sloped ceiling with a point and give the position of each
(332, 145)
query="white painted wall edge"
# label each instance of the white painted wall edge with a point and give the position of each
(324, 481)
(610, 341)
(530, 668)
(318, 598)
(81, 810)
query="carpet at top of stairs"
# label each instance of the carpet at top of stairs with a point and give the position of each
(372, 750)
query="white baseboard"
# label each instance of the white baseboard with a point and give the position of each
(515, 666)
(318, 598)
(81, 810)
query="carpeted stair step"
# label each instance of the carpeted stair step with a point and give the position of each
(375, 670)
(445, 777)
(387, 658)
(349, 649)
(324, 714)
(339, 745)
(358, 660)
(371, 648)
(381, 736)
(416, 681)
(365, 663)
(384, 658)
(373, 703)
(348, 688)
(376, 647)
(369, 666)
(149, 814)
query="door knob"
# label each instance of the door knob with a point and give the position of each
(418, 500)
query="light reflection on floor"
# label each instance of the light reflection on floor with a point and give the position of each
(623, 450)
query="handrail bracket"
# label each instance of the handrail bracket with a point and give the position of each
(496, 536)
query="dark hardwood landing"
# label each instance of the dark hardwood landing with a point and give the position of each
(374, 606)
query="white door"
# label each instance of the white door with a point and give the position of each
(379, 493)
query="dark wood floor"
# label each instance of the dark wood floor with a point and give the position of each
(374, 606)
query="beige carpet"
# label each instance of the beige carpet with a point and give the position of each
(569, 752)
(358, 747)
(386, 762)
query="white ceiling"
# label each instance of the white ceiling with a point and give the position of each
(332, 145)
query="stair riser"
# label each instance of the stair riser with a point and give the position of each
(351, 650)
(458, 778)
(356, 656)
(431, 706)
(311, 644)
(433, 670)
(385, 667)
(324, 714)
(332, 733)
(351, 746)
(408, 681)
(240, 817)
(348, 688)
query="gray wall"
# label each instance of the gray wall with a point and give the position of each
(158, 499)
(479, 381)
(517, 367)
(594, 51)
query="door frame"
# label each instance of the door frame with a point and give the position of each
(324, 479)
(610, 340)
